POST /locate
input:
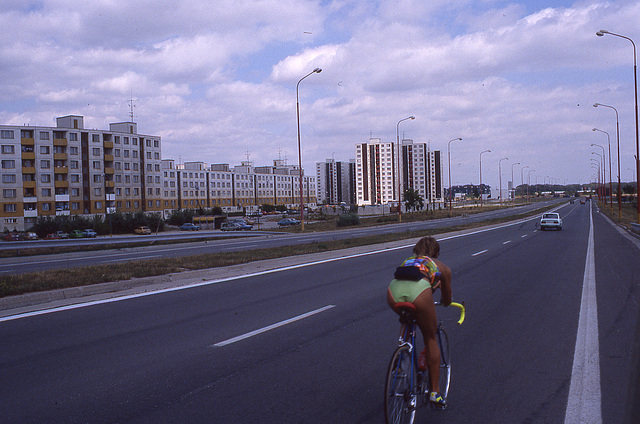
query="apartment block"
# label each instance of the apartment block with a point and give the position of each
(335, 182)
(71, 170)
(375, 173)
(422, 171)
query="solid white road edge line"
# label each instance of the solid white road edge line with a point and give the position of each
(584, 403)
(272, 327)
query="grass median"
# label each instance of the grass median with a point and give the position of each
(11, 285)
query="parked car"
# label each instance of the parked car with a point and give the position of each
(52, 236)
(238, 225)
(142, 230)
(13, 237)
(62, 234)
(30, 236)
(187, 226)
(76, 234)
(244, 224)
(550, 220)
(230, 226)
(288, 222)
(89, 233)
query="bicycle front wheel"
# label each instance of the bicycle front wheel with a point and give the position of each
(399, 397)
(445, 362)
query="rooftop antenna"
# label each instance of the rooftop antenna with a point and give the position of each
(131, 106)
(279, 153)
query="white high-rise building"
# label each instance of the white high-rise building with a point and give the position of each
(375, 173)
(334, 182)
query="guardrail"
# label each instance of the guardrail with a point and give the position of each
(635, 227)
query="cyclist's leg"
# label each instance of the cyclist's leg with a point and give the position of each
(427, 321)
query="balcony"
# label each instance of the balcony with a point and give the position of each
(61, 169)
(31, 213)
(59, 184)
(29, 184)
(29, 199)
(60, 156)
(28, 170)
(108, 144)
(62, 197)
(59, 141)
(28, 142)
(108, 158)
(111, 184)
(63, 213)
(110, 197)
(109, 170)
(28, 155)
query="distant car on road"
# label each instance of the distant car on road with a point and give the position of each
(142, 230)
(30, 236)
(286, 222)
(62, 234)
(52, 236)
(89, 233)
(550, 220)
(76, 234)
(187, 226)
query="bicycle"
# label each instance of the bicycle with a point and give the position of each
(406, 387)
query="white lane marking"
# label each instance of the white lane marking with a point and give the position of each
(480, 252)
(584, 404)
(133, 258)
(272, 327)
(523, 236)
(506, 242)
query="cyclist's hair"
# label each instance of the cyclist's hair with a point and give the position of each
(427, 246)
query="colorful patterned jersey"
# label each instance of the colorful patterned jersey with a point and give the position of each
(426, 265)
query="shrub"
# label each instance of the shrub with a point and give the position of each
(348, 219)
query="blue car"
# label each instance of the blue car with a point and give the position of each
(187, 226)
(288, 222)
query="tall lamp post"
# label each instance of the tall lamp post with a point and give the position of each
(449, 156)
(500, 172)
(604, 170)
(529, 183)
(618, 138)
(513, 183)
(315, 71)
(399, 176)
(610, 180)
(485, 151)
(601, 33)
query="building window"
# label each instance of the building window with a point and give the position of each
(8, 149)
(45, 178)
(8, 164)
(73, 150)
(95, 138)
(46, 192)
(96, 151)
(45, 164)
(10, 207)
(44, 135)
(45, 150)
(73, 136)
(46, 206)
(96, 164)
(74, 178)
(9, 193)
(8, 178)
(6, 134)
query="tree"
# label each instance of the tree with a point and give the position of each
(413, 200)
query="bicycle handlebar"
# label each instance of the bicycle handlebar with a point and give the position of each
(459, 306)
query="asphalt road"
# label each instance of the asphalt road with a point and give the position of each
(239, 241)
(323, 336)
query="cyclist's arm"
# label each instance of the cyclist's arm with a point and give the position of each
(445, 283)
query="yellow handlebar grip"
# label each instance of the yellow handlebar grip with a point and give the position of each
(462, 311)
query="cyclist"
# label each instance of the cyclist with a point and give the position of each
(415, 281)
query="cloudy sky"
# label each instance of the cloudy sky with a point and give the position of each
(217, 79)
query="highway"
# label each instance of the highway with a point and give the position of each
(192, 243)
(310, 344)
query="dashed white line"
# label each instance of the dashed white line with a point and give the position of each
(523, 236)
(273, 326)
(480, 252)
(506, 242)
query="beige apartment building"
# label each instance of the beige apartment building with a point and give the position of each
(72, 170)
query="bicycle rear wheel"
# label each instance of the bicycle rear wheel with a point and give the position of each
(399, 398)
(445, 362)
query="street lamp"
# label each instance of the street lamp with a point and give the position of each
(485, 151)
(529, 183)
(500, 172)
(610, 179)
(449, 156)
(601, 33)
(399, 177)
(618, 137)
(604, 171)
(315, 71)
(512, 183)
(601, 168)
